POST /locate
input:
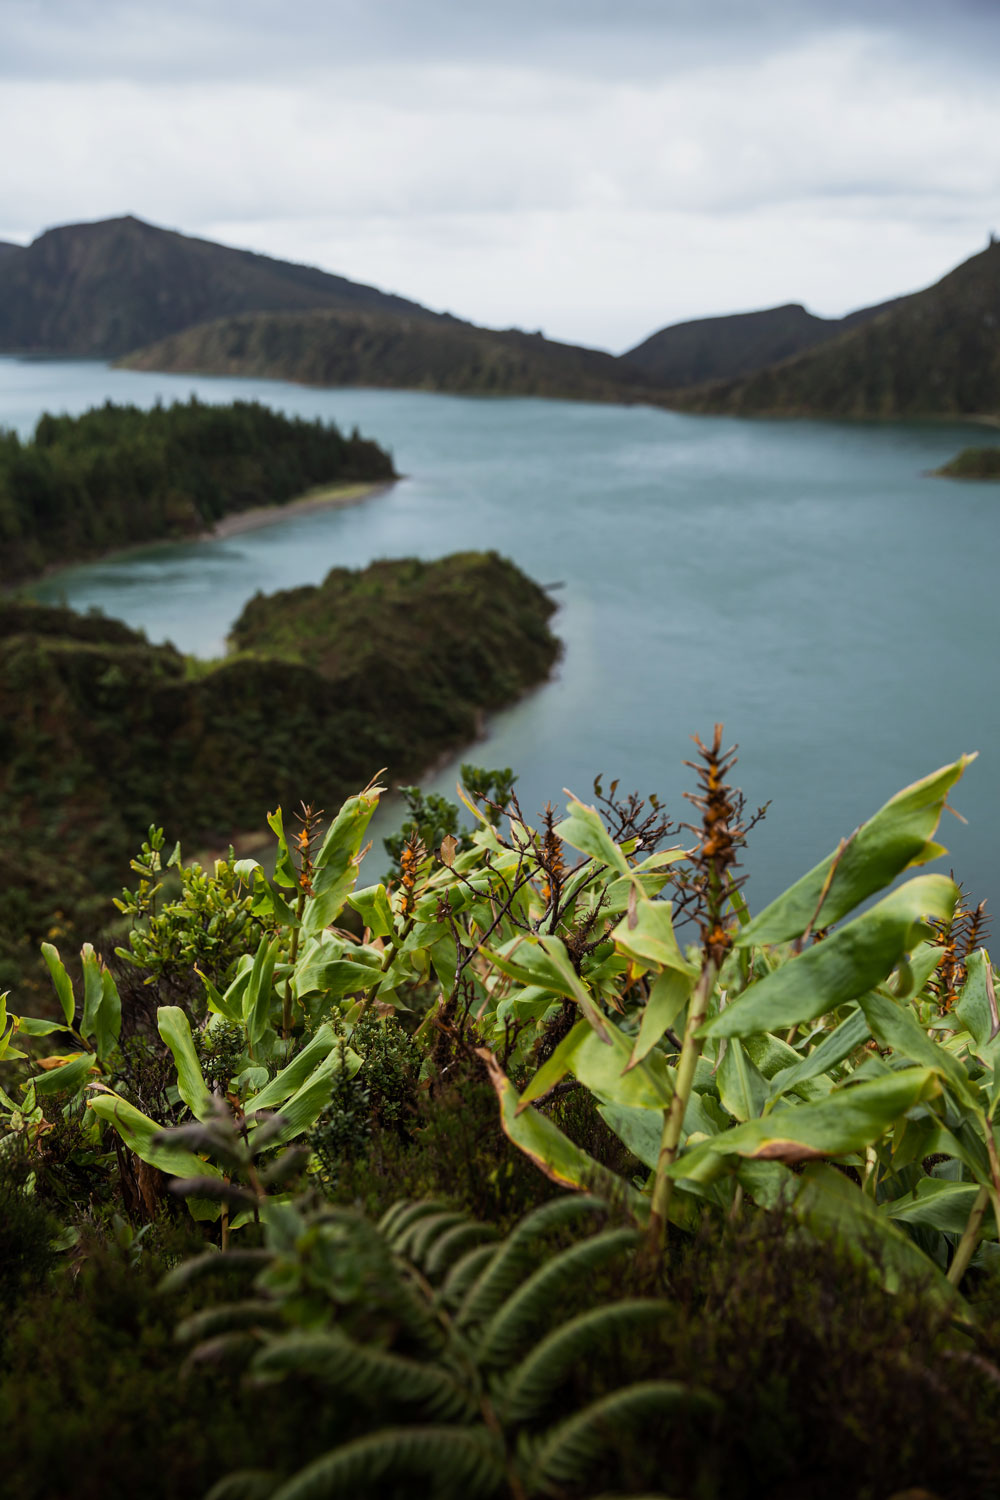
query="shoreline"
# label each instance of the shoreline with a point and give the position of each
(329, 497)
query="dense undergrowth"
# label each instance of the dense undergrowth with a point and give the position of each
(102, 733)
(117, 475)
(280, 1179)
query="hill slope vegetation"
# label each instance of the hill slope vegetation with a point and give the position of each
(333, 348)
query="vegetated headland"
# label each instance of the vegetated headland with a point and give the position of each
(972, 463)
(119, 476)
(103, 734)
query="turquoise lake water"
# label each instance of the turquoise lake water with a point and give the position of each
(807, 583)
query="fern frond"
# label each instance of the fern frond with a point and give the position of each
(567, 1451)
(454, 1455)
(408, 1214)
(227, 1317)
(212, 1260)
(464, 1272)
(506, 1267)
(453, 1242)
(516, 1317)
(542, 1370)
(366, 1372)
(419, 1238)
(244, 1484)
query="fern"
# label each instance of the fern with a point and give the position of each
(529, 1384)
(468, 1343)
(453, 1456)
(567, 1452)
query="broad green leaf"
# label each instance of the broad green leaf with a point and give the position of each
(109, 1017)
(833, 1207)
(285, 872)
(976, 1008)
(898, 836)
(935, 1204)
(648, 935)
(742, 1089)
(850, 962)
(376, 913)
(603, 1068)
(543, 961)
(896, 1026)
(69, 1076)
(93, 991)
(257, 995)
(584, 830)
(138, 1131)
(336, 866)
(668, 996)
(556, 1155)
(833, 1049)
(175, 1030)
(305, 1106)
(846, 1120)
(61, 980)
(33, 1026)
(292, 1077)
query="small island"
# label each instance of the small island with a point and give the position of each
(119, 477)
(972, 463)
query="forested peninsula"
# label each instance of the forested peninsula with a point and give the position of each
(119, 476)
(103, 734)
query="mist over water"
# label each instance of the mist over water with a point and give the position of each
(808, 583)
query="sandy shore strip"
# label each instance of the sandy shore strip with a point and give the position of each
(324, 498)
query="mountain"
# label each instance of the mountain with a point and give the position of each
(714, 348)
(7, 247)
(102, 289)
(332, 348)
(936, 353)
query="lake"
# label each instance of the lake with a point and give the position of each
(805, 582)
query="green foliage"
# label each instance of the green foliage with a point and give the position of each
(433, 818)
(119, 475)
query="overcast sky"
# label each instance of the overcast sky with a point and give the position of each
(593, 168)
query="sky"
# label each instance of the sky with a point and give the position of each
(591, 168)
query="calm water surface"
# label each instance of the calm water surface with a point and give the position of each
(805, 582)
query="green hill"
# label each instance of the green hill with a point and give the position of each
(936, 354)
(334, 348)
(104, 288)
(717, 348)
(102, 734)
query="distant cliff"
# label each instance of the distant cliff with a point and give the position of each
(716, 348)
(935, 354)
(102, 289)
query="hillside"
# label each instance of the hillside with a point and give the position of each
(104, 288)
(117, 476)
(935, 354)
(333, 348)
(717, 348)
(972, 463)
(102, 734)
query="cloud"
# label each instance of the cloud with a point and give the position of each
(468, 162)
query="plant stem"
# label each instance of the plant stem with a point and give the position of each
(286, 1004)
(673, 1120)
(970, 1238)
